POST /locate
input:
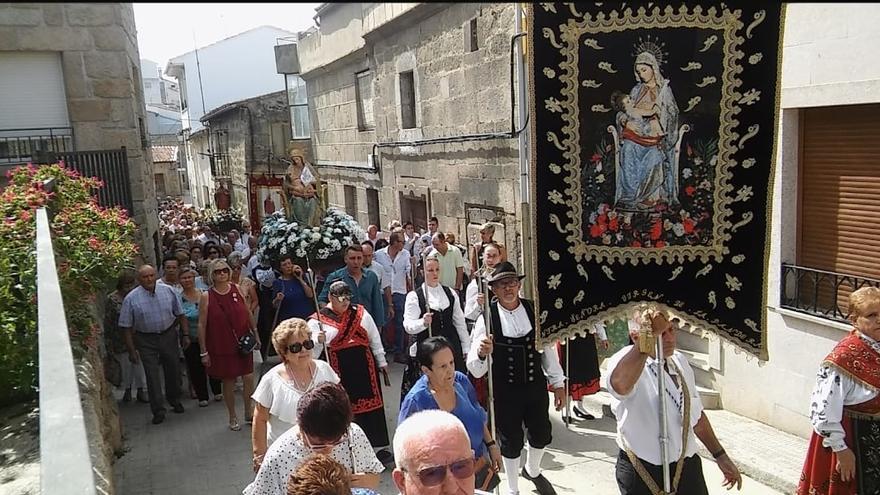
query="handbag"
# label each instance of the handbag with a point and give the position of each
(485, 477)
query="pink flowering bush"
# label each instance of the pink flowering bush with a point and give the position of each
(91, 244)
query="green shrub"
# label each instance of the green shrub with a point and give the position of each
(91, 244)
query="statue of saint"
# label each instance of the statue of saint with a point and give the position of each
(222, 197)
(300, 186)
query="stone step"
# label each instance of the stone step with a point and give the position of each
(710, 398)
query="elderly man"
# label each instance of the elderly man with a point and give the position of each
(433, 455)
(633, 386)
(451, 262)
(154, 325)
(520, 373)
(354, 350)
(396, 261)
(365, 285)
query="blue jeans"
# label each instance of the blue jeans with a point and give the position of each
(399, 300)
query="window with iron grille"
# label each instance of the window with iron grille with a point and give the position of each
(373, 206)
(407, 100)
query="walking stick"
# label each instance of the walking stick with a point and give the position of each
(314, 284)
(566, 418)
(487, 319)
(664, 430)
(425, 289)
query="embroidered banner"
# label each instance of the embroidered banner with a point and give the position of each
(653, 148)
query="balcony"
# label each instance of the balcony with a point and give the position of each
(18, 146)
(818, 292)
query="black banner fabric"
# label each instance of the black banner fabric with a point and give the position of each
(652, 152)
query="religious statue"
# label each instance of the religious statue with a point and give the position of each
(301, 188)
(222, 197)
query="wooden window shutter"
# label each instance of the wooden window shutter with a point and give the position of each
(840, 194)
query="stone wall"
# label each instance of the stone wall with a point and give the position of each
(457, 91)
(100, 60)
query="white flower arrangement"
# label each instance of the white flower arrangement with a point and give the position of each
(336, 232)
(224, 220)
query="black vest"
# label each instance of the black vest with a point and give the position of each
(442, 324)
(516, 363)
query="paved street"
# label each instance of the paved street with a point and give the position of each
(195, 454)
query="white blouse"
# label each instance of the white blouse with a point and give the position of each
(286, 455)
(414, 323)
(833, 391)
(281, 398)
(331, 333)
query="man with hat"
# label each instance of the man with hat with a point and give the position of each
(354, 350)
(519, 377)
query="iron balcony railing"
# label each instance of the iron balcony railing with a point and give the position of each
(65, 458)
(21, 145)
(111, 166)
(819, 292)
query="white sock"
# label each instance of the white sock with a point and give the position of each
(533, 461)
(511, 469)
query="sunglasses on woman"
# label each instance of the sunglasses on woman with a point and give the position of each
(221, 270)
(296, 347)
(433, 476)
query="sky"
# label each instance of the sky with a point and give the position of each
(165, 30)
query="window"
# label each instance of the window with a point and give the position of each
(364, 87)
(280, 136)
(221, 154)
(407, 100)
(373, 206)
(160, 185)
(351, 201)
(183, 102)
(297, 99)
(471, 36)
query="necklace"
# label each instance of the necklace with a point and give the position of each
(296, 383)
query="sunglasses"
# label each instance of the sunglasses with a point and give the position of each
(297, 347)
(221, 270)
(433, 476)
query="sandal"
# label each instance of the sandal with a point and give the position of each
(581, 413)
(233, 424)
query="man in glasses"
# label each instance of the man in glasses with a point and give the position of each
(434, 455)
(354, 350)
(519, 377)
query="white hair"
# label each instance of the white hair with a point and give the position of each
(422, 424)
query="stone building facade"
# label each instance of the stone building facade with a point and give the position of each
(379, 73)
(98, 52)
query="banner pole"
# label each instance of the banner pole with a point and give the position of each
(664, 428)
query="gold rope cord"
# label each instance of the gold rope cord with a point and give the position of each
(685, 427)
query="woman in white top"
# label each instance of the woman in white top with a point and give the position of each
(280, 390)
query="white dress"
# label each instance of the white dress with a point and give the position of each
(281, 398)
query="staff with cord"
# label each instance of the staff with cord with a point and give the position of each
(519, 376)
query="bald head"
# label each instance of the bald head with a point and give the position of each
(147, 277)
(430, 438)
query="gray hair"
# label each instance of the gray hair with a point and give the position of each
(422, 423)
(234, 259)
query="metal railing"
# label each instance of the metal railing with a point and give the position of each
(21, 145)
(111, 166)
(819, 292)
(65, 459)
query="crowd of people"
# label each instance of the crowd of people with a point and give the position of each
(317, 413)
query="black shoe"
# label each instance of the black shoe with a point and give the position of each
(178, 408)
(581, 413)
(385, 457)
(158, 417)
(541, 483)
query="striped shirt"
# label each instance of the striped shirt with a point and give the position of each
(150, 312)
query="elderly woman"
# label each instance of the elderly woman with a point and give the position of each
(323, 426)
(223, 319)
(281, 389)
(189, 299)
(442, 387)
(292, 295)
(132, 374)
(354, 349)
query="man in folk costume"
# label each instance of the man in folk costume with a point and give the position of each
(633, 386)
(520, 373)
(583, 370)
(473, 306)
(845, 409)
(354, 350)
(433, 310)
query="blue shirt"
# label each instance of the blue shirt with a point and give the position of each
(295, 303)
(368, 294)
(191, 311)
(150, 312)
(467, 408)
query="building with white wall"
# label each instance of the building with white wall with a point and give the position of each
(232, 69)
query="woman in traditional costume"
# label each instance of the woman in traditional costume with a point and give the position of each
(845, 409)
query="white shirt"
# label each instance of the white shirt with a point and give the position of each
(252, 263)
(414, 322)
(514, 324)
(289, 451)
(399, 268)
(638, 413)
(281, 398)
(472, 310)
(331, 332)
(832, 392)
(177, 288)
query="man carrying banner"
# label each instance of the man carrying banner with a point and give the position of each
(519, 377)
(633, 384)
